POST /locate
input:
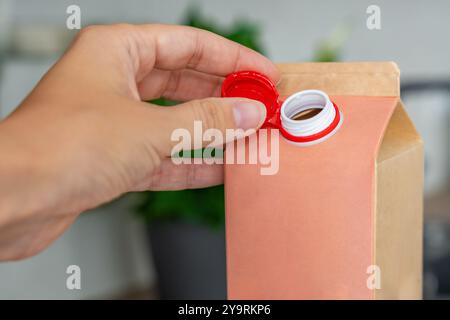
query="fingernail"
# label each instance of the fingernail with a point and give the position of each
(249, 114)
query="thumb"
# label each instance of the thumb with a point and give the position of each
(211, 113)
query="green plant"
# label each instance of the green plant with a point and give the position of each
(199, 205)
(329, 49)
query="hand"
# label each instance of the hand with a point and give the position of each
(84, 136)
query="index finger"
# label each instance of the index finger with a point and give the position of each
(171, 47)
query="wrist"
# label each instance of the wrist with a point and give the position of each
(24, 179)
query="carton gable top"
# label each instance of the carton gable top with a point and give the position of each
(357, 79)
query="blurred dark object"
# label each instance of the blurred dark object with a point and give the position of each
(186, 228)
(189, 260)
(437, 259)
(436, 209)
(420, 86)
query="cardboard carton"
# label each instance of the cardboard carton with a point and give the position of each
(341, 219)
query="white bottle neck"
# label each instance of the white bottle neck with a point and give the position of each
(302, 101)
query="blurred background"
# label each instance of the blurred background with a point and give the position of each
(171, 244)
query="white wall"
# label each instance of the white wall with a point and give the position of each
(413, 33)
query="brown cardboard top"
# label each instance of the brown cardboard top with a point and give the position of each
(356, 79)
(343, 78)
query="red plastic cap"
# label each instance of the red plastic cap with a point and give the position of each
(252, 85)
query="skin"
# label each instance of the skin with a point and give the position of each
(83, 136)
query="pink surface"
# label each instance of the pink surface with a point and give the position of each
(307, 232)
